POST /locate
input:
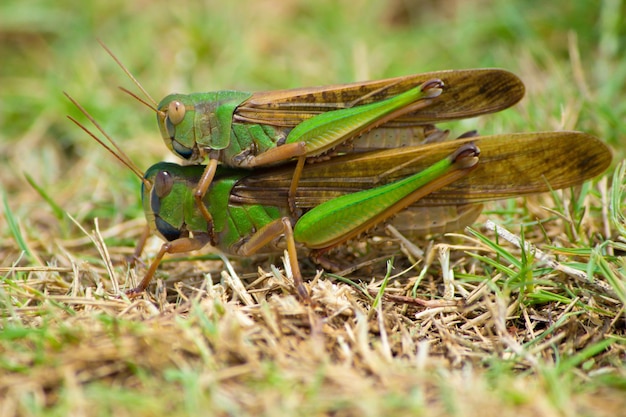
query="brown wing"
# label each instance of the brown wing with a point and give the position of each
(467, 93)
(509, 166)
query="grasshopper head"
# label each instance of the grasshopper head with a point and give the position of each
(194, 124)
(176, 118)
(169, 204)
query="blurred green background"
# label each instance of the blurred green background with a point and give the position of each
(569, 54)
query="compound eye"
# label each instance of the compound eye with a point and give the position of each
(176, 112)
(163, 183)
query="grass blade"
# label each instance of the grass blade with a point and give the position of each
(14, 227)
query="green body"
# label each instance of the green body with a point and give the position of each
(339, 195)
(175, 215)
(241, 126)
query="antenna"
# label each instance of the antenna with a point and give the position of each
(127, 72)
(142, 101)
(119, 155)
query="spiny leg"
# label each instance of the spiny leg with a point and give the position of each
(136, 256)
(340, 219)
(199, 193)
(270, 232)
(295, 180)
(182, 245)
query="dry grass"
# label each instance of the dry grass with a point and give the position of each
(548, 339)
(476, 326)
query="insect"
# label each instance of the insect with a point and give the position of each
(350, 194)
(345, 196)
(251, 130)
(246, 228)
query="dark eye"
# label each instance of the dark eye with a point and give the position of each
(155, 203)
(166, 230)
(176, 112)
(163, 183)
(181, 150)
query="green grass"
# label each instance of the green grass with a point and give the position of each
(518, 337)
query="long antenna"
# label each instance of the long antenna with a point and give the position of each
(142, 101)
(119, 155)
(133, 79)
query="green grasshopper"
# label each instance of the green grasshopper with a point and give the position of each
(251, 130)
(350, 194)
(247, 228)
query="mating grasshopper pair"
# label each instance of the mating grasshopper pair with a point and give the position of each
(322, 205)
(351, 194)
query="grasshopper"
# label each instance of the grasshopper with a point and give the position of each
(350, 194)
(246, 228)
(251, 130)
